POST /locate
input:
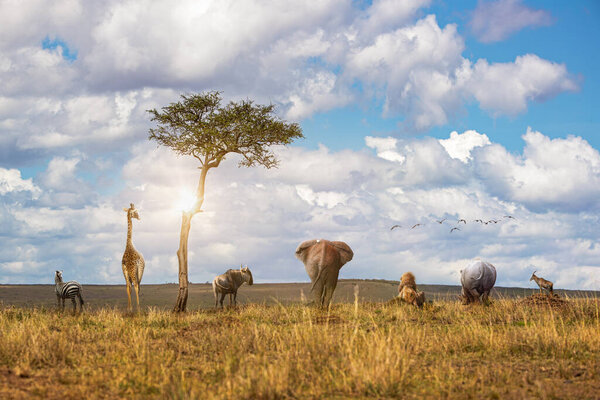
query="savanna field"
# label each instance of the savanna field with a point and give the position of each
(362, 349)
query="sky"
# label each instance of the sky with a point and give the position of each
(413, 111)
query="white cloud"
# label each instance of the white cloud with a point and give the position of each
(506, 88)
(322, 199)
(384, 15)
(306, 58)
(257, 216)
(317, 93)
(552, 173)
(493, 21)
(60, 172)
(87, 119)
(386, 148)
(422, 75)
(403, 64)
(11, 181)
(460, 145)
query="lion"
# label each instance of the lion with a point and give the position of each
(407, 290)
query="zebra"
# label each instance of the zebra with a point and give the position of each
(67, 290)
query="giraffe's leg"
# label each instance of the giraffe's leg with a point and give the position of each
(128, 286)
(137, 295)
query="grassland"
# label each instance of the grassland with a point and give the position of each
(162, 297)
(364, 349)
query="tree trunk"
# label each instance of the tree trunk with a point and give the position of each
(182, 253)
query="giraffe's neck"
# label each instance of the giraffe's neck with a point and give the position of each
(129, 227)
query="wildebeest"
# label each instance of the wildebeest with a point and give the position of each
(229, 283)
(477, 281)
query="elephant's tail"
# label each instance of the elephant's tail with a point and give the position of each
(312, 287)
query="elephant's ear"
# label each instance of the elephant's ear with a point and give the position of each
(300, 251)
(345, 251)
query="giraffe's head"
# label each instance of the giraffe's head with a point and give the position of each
(132, 212)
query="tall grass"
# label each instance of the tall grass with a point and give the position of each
(444, 350)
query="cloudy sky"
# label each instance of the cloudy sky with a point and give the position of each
(412, 111)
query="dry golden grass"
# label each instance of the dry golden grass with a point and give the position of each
(443, 350)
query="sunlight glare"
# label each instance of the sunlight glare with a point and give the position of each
(187, 200)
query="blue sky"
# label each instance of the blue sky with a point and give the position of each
(568, 39)
(412, 111)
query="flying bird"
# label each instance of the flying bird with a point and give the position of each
(439, 222)
(415, 225)
(509, 216)
(462, 220)
(454, 229)
(395, 226)
(493, 220)
(478, 220)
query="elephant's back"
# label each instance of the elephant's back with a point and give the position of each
(325, 253)
(479, 274)
(322, 255)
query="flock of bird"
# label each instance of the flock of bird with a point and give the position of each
(456, 228)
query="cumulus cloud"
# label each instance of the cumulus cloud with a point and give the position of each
(561, 174)
(460, 145)
(507, 88)
(493, 21)
(304, 58)
(82, 123)
(257, 216)
(11, 181)
(403, 62)
(385, 147)
(423, 75)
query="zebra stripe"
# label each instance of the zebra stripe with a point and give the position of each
(69, 290)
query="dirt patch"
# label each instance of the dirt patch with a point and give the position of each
(540, 299)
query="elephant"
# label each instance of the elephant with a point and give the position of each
(477, 281)
(323, 260)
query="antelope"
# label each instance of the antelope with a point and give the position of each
(542, 283)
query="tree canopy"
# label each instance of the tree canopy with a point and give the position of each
(201, 127)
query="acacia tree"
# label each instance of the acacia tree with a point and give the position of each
(199, 126)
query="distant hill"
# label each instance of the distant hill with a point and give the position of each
(201, 296)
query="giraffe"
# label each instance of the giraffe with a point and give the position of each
(133, 262)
